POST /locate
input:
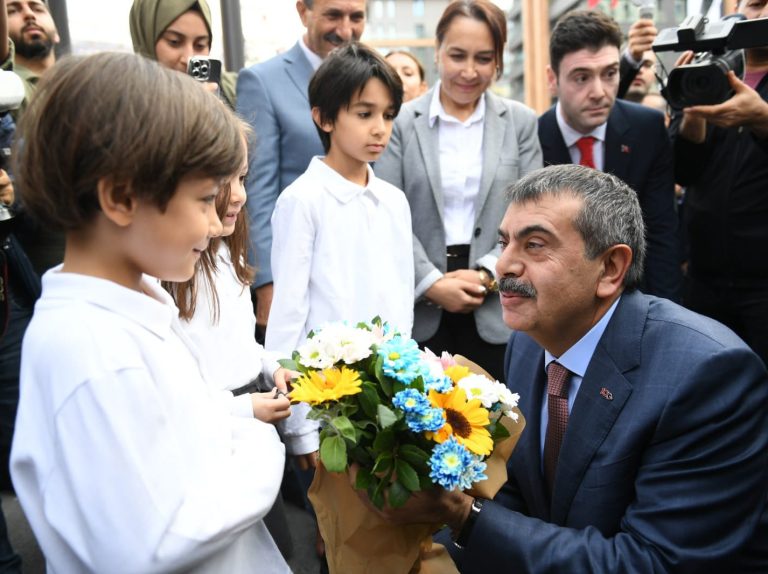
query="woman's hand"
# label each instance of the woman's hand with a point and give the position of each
(458, 291)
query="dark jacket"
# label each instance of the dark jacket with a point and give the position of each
(726, 202)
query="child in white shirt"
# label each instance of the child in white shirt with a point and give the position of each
(124, 459)
(342, 245)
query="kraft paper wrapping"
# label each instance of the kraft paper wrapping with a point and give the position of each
(358, 541)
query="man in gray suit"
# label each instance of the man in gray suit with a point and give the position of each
(272, 98)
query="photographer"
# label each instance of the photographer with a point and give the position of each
(721, 155)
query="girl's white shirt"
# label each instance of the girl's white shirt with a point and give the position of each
(124, 458)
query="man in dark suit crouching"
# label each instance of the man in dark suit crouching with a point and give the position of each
(646, 445)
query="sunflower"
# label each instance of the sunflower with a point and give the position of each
(464, 420)
(457, 372)
(326, 385)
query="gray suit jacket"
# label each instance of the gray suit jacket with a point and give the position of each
(412, 163)
(272, 97)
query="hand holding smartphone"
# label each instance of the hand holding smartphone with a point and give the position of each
(206, 70)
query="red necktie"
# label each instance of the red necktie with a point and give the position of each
(557, 396)
(585, 146)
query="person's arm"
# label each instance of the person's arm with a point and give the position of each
(255, 106)
(663, 276)
(131, 487)
(294, 240)
(641, 35)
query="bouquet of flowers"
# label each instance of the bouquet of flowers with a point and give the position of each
(410, 419)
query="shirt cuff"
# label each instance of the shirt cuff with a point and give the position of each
(488, 262)
(630, 60)
(431, 278)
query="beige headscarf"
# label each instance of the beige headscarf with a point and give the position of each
(150, 18)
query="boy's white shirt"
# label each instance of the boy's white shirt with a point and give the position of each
(123, 459)
(340, 252)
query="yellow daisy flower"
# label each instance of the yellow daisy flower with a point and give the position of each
(456, 372)
(326, 385)
(464, 420)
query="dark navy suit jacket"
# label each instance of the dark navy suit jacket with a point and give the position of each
(639, 152)
(664, 463)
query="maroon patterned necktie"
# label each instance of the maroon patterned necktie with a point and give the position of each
(586, 146)
(557, 396)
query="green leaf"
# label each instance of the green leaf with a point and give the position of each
(369, 399)
(398, 494)
(333, 453)
(289, 364)
(499, 432)
(384, 441)
(407, 475)
(386, 416)
(413, 455)
(364, 479)
(345, 428)
(377, 496)
(425, 482)
(383, 463)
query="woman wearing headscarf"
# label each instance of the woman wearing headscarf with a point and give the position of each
(171, 31)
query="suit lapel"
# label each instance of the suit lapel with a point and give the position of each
(430, 148)
(299, 69)
(525, 463)
(494, 130)
(553, 148)
(602, 395)
(617, 144)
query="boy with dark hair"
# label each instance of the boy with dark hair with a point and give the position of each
(342, 247)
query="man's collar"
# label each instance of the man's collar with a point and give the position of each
(436, 110)
(570, 135)
(314, 59)
(577, 358)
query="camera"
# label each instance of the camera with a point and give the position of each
(719, 48)
(204, 69)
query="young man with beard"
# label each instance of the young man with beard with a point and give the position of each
(34, 34)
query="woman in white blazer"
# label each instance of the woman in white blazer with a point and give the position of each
(454, 151)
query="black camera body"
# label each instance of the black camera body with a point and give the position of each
(719, 48)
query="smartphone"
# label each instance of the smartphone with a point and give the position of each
(646, 8)
(205, 69)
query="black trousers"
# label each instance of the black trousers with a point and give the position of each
(458, 334)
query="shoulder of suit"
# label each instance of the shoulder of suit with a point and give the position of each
(274, 64)
(638, 112)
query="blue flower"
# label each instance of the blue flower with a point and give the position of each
(453, 466)
(411, 401)
(439, 384)
(431, 419)
(402, 359)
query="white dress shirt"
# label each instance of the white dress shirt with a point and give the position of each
(461, 167)
(576, 360)
(571, 136)
(122, 459)
(340, 252)
(232, 356)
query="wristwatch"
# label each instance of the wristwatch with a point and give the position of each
(488, 280)
(466, 530)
